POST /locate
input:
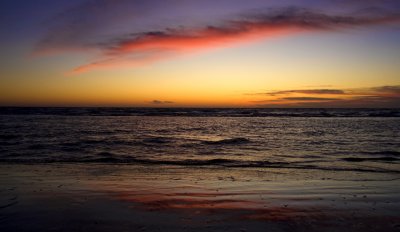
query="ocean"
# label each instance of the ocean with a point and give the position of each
(364, 140)
(149, 169)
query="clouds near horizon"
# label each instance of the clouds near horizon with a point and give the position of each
(305, 91)
(159, 102)
(380, 96)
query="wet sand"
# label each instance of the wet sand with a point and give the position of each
(97, 197)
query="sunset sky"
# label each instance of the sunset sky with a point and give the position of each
(200, 53)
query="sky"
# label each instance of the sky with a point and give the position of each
(192, 53)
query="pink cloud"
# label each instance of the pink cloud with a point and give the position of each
(140, 49)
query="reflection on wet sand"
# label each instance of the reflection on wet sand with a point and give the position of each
(284, 196)
(102, 197)
(229, 203)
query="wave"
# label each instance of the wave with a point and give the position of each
(6, 137)
(199, 112)
(157, 140)
(37, 146)
(95, 142)
(232, 141)
(356, 159)
(10, 143)
(109, 158)
(387, 153)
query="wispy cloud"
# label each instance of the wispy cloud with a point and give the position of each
(305, 91)
(138, 48)
(388, 89)
(159, 102)
(381, 96)
(309, 99)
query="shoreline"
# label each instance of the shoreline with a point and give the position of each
(97, 197)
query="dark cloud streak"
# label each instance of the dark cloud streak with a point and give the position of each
(309, 99)
(158, 102)
(307, 91)
(380, 96)
(388, 89)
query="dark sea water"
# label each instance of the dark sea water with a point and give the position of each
(366, 140)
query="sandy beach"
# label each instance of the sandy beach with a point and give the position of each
(97, 197)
